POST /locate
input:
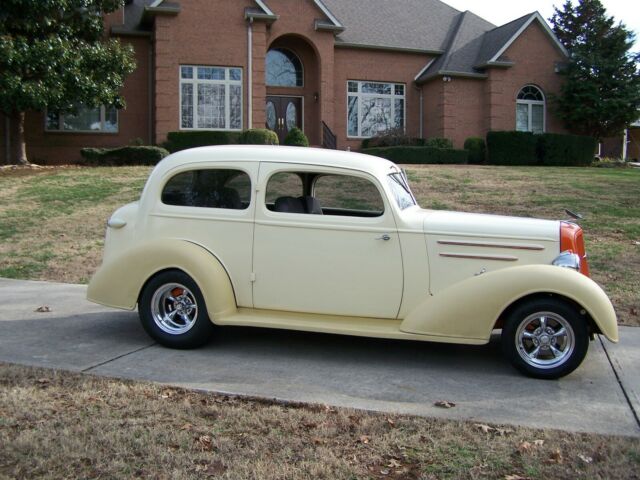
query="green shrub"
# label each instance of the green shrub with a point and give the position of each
(131, 155)
(512, 148)
(476, 148)
(438, 142)
(296, 138)
(566, 150)
(390, 138)
(177, 141)
(419, 155)
(258, 136)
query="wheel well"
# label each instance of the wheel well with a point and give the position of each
(593, 327)
(155, 274)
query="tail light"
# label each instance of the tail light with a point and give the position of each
(572, 240)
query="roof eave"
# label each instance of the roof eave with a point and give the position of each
(150, 11)
(451, 73)
(323, 26)
(260, 17)
(497, 64)
(388, 48)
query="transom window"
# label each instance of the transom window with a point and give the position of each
(209, 188)
(374, 107)
(98, 119)
(530, 110)
(283, 68)
(210, 98)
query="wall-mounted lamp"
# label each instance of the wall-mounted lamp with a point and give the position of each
(316, 97)
(446, 79)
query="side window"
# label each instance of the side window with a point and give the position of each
(209, 188)
(283, 184)
(347, 195)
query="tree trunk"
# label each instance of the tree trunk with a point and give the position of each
(20, 155)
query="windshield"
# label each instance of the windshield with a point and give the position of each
(401, 191)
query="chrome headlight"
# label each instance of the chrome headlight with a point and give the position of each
(567, 259)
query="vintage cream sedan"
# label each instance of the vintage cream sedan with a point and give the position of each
(329, 241)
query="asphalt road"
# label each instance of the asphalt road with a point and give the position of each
(602, 396)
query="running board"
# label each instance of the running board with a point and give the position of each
(356, 326)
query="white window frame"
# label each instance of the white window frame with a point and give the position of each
(103, 121)
(529, 104)
(363, 96)
(227, 82)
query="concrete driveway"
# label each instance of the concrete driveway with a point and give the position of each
(602, 396)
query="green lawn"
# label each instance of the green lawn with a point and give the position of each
(52, 220)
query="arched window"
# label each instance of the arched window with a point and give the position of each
(284, 68)
(530, 108)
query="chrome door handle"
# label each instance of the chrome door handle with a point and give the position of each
(384, 237)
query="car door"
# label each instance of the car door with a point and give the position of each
(345, 261)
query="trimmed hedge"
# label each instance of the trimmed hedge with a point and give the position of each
(258, 136)
(477, 149)
(296, 138)
(131, 155)
(420, 155)
(566, 150)
(438, 142)
(549, 149)
(512, 148)
(177, 141)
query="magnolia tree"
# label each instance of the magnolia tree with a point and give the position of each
(601, 93)
(53, 55)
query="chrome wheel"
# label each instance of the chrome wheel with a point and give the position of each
(545, 340)
(174, 308)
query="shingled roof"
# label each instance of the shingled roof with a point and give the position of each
(464, 43)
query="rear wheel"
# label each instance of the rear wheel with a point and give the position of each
(545, 338)
(173, 312)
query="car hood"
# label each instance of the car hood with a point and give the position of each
(439, 222)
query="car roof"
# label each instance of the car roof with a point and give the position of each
(277, 154)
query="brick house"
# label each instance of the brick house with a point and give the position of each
(340, 70)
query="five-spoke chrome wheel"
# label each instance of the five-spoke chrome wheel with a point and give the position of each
(172, 310)
(545, 337)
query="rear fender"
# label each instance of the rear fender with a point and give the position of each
(120, 279)
(470, 309)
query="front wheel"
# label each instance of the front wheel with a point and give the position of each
(545, 338)
(173, 312)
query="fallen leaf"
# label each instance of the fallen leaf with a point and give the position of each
(394, 463)
(484, 428)
(385, 471)
(585, 458)
(524, 447)
(187, 426)
(44, 382)
(515, 477)
(555, 457)
(391, 422)
(444, 404)
(364, 439)
(504, 431)
(636, 243)
(205, 442)
(538, 443)
(43, 309)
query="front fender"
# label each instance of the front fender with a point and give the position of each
(470, 309)
(119, 280)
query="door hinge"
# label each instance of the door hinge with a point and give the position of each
(252, 277)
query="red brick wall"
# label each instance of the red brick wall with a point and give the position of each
(133, 122)
(535, 56)
(205, 32)
(359, 64)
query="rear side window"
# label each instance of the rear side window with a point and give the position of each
(209, 188)
(347, 195)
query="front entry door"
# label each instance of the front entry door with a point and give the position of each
(283, 113)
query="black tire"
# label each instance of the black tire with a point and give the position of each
(172, 311)
(534, 342)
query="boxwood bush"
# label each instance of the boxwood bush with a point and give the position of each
(566, 150)
(512, 148)
(177, 141)
(131, 155)
(420, 155)
(258, 136)
(476, 148)
(296, 138)
(438, 142)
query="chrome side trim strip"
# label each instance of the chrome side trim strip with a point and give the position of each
(501, 258)
(514, 246)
